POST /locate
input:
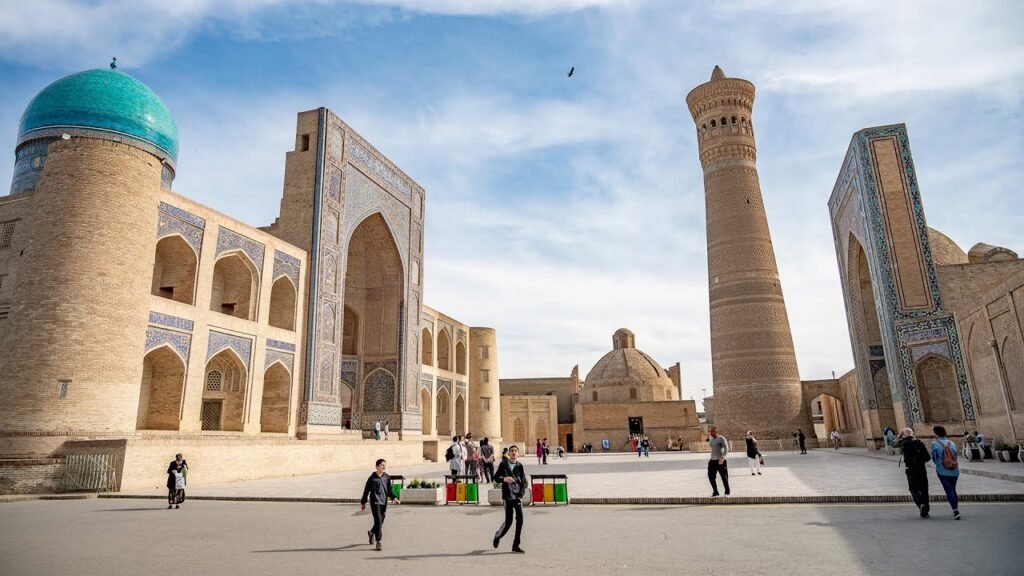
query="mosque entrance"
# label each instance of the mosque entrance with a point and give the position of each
(636, 425)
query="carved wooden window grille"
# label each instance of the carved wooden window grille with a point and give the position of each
(214, 380)
(210, 415)
(6, 234)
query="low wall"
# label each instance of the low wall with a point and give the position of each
(739, 447)
(31, 475)
(142, 462)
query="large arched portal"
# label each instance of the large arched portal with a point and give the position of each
(276, 388)
(374, 289)
(868, 338)
(163, 380)
(827, 414)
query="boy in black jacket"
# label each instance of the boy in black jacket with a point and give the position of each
(915, 456)
(513, 478)
(377, 491)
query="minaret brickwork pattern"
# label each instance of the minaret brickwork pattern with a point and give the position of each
(756, 381)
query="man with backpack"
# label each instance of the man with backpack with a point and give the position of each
(915, 456)
(454, 457)
(946, 466)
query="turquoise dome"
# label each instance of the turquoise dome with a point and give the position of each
(102, 99)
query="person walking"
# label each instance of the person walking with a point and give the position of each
(752, 454)
(487, 460)
(177, 476)
(377, 492)
(645, 446)
(376, 430)
(717, 464)
(915, 456)
(544, 445)
(387, 429)
(454, 457)
(947, 467)
(803, 440)
(472, 455)
(835, 439)
(513, 487)
(540, 453)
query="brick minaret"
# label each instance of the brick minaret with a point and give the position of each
(756, 382)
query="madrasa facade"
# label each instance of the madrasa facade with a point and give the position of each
(136, 323)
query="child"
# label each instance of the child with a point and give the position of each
(377, 492)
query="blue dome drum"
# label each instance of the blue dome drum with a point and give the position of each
(106, 104)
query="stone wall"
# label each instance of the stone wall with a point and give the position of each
(31, 475)
(599, 421)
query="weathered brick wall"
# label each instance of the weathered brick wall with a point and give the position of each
(561, 388)
(15, 223)
(599, 421)
(31, 476)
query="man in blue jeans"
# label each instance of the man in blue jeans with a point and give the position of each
(944, 456)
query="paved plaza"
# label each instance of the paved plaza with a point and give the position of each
(140, 537)
(851, 472)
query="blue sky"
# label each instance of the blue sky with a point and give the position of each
(558, 209)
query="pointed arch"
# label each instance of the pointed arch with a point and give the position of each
(224, 390)
(161, 390)
(937, 389)
(444, 350)
(282, 304)
(235, 281)
(460, 414)
(443, 425)
(350, 332)
(427, 350)
(174, 269)
(276, 392)
(427, 409)
(460, 358)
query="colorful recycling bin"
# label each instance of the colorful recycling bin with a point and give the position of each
(461, 489)
(549, 489)
(472, 493)
(449, 490)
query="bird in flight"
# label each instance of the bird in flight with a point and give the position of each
(571, 70)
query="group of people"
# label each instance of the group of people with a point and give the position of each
(944, 454)
(467, 458)
(510, 473)
(378, 429)
(641, 444)
(718, 465)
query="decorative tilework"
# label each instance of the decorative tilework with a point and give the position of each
(334, 185)
(379, 391)
(350, 363)
(29, 161)
(379, 169)
(183, 215)
(445, 384)
(320, 414)
(228, 240)
(926, 335)
(946, 325)
(363, 197)
(170, 321)
(284, 358)
(220, 341)
(280, 345)
(336, 140)
(285, 265)
(427, 381)
(937, 348)
(876, 351)
(180, 343)
(173, 220)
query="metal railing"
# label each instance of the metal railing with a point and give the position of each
(90, 473)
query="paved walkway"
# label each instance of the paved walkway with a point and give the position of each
(664, 475)
(141, 538)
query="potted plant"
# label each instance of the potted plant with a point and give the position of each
(428, 492)
(1008, 452)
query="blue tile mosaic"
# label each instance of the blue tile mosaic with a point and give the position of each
(29, 161)
(170, 321)
(936, 348)
(444, 383)
(285, 265)
(287, 360)
(379, 169)
(280, 345)
(179, 342)
(173, 220)
(219, 342)
(183, 215)
(876, 351)
(228, 240)
(379, 391)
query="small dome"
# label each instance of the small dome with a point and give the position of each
(626, 374)
(102, 99)
(944, 250)
(981, 253)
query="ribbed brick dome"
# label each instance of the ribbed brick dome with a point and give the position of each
(626, 367)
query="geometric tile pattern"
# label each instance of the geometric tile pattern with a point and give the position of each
(170, 321)
(379, 169)
(363, 197)
(228, 240)
(286, 265)
(180, 343)
(280, 345)
(379, 391)
(287, 360)
(219, 341)
(174, 220)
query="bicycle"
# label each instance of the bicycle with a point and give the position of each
(562, 454)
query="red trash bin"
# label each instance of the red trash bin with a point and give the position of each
(538, 492)
(450, 489)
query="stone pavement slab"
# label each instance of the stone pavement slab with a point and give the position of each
(98, 537)
(663, 475)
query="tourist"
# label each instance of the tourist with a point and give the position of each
(513, 487)
(717, 463)
(890, 440)
(915, 455)
(377, 491)
(504, 454)
(835, 439)
(454, 457)
(376, 430)
(645, 446)
(544, 445)
(946, 466)
(387, 429)
(472, 455)
(752, 454)
(540, 452)
(980, 437)
(175, 494)
(486, 460)
(803, 440)
(638, 446)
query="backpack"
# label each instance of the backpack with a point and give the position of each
(948, 456)
(448, 454)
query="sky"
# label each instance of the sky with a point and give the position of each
(560, 209)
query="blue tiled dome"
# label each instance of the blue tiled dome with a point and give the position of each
(102, 99)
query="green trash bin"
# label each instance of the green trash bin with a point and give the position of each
(397, 482)
(561, 493)
(471, 492)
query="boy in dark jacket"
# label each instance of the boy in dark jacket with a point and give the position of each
(513, 486)
(915, 456)
(377, 491)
